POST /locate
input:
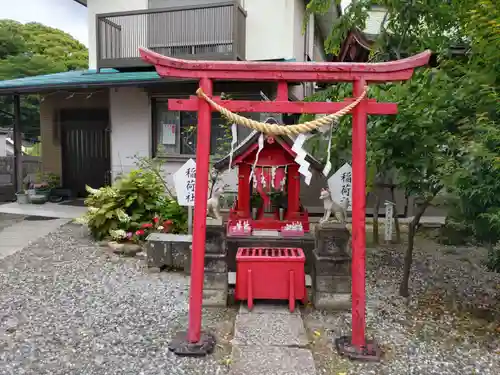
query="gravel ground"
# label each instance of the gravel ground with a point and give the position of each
(449, 326)
(69, 307)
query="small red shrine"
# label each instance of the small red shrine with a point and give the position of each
(271, 178)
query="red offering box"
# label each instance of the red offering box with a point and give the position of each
(270, 273)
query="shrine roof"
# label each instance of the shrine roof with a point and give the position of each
(251, 140)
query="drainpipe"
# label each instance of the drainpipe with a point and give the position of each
(18, 162)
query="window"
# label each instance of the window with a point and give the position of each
(218, 133)
(174, 132)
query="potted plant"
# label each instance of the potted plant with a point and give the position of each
(45, 182)
(22, 197)
(256, 203)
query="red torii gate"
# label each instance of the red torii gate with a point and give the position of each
(360, 74)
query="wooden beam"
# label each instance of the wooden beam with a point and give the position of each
(250, 76)
(373, 108)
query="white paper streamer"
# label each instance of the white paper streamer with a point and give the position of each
(324, 128)
(300, 159)
(328, 165)
(261, 146)
(234, 140)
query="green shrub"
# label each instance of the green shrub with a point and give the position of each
(136, 198)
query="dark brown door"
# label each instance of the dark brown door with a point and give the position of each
(85, 142)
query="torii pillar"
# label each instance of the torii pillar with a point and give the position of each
(194, 342)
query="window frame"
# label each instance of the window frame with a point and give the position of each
(155, 131)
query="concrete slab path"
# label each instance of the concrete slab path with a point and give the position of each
(270, 340)
(48, 210)
(19, 235)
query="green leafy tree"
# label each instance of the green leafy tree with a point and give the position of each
(474, 185)
(34, 49)
(429, 143)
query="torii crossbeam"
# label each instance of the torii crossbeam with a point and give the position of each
(283, 73)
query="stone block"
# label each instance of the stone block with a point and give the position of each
(215, 297)
(275, 360)
(331, 238)
(212, 222)
(331, 301)
(170, 250)
(330, 265)
(270, 329)
(216, 280)
(215, 263)
(215, 240)
(332, 284)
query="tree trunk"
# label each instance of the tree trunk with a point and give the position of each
(376, 208)
(412, 228)
(395, 216)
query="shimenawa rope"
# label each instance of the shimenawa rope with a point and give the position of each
(275, 129)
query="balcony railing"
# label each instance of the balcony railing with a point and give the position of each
(209, 32)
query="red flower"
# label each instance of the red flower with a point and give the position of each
(155, 220)
(139, 232)
(147, 225)
(168, 222)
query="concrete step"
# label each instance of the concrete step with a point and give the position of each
(270, 340)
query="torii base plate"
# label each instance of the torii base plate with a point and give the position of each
(370, 352)
(182, 347)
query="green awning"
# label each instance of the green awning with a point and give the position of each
(79, 79)
(83, 79)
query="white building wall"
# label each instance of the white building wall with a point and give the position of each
(106, 6)
(299, 38)
(374, 20)
(274, 28)
(376, 17)
(130, 115)
(269, 34)
(318, 48)
(299, 42)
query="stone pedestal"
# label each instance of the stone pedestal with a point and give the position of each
(168, 250)
(215, 288)
(331, 271)
(215, 242)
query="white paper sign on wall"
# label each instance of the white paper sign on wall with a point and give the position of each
(340, 185)
(168, 134)
(184, 182)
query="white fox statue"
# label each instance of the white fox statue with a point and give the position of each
(339, 210)
(213, 204)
